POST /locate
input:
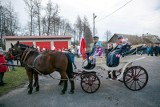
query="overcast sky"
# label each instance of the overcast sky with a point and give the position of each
(137, 17)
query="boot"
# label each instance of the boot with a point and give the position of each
(88, 66)
(92, 66)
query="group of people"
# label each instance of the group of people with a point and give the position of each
(153, 50)
(112, 54)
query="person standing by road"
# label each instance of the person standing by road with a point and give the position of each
(10, 59)
(152, 49)
(72, 55)
(3, 68)
(156, 50)
(148, 49)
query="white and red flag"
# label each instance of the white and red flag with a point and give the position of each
(83, 47)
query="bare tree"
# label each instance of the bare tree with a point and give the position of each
(87, 31)
(79, 27)
(37, 12)
(30, 10)
(8, 20)
(51, 13)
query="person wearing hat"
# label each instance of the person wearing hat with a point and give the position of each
(93, 49)
(98, 52)
(3, 68)
(120, 38)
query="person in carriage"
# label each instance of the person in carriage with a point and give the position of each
(122, 47)
(98, 52)
(90, 53)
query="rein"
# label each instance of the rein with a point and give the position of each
(23, 55)
(26, 55)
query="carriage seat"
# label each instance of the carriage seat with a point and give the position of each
(100, 60)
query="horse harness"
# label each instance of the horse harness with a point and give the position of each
(24, 57)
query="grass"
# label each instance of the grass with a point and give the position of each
(13, 79)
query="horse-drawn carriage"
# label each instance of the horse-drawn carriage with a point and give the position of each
(134, 77)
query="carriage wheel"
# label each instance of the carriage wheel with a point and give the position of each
(90, 83)
(135, 78)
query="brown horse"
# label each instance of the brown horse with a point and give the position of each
(44, 63)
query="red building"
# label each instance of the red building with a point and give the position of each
(47, 42)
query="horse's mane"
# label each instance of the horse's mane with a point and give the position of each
(24, 45)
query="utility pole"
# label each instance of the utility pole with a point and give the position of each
(74, 31)
(94, 16)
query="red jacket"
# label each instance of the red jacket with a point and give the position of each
(3, 68)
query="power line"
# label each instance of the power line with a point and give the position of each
(115, 11)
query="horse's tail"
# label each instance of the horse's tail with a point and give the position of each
(69, 66)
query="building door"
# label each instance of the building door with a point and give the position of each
(46, 45)
(61, 45)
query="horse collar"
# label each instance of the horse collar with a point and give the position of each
(35, 59)
(26, 55)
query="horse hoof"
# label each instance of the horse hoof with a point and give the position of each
(71, 92)
(62, 93)
(37, 89)
(60, 84)
(29, 92)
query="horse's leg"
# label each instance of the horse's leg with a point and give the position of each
(36, 81)
(30, 77)
(72, 86)
(64, 76)
(34, 85)
(60, 82)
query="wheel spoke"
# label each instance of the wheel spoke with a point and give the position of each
(132, 71)
(91, 88)
(138, 84)
(131, 84)
(129, 81)
(141, 81)
(87, 87)
(135, 85)
(129, 76)
(141, 78)
(135, 72)
(140, 74)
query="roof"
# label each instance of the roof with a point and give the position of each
(36, 37)
(123, 35)
(152, 39)
(133, 39)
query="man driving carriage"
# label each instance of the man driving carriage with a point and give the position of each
(90, 65)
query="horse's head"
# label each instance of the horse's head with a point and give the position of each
(18, 48)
